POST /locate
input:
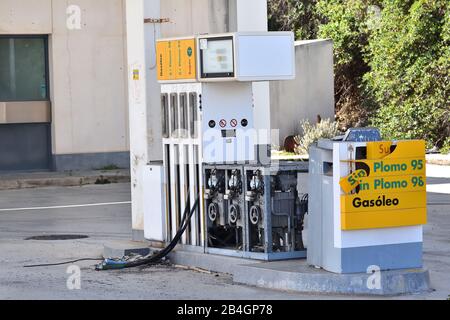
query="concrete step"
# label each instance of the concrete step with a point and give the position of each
(296, 275)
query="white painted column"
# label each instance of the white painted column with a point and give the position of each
(252, 16)
(137, 101)
(152, 32)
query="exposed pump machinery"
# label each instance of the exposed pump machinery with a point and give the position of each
(254, 211)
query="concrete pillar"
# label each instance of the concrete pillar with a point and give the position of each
(251, 15)
(144, 100)
(152, 31)
(136, 75)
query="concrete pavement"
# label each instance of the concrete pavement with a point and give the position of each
(103, 213)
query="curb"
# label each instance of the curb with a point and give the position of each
(438, 159)
(297, 276)
(303, 280)
(64, 181)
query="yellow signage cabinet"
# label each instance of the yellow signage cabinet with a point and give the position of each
(176, 60)
(367, 205)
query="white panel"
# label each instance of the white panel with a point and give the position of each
(266, 57)
(227, 102)
(173, 190)
(336, 198)
(154, 203)
(192, 194)
(261, 98)
(378, 237)
(183, 188)
(251, 15)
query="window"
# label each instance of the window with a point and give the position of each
(165, 115)
(23, 68)
(174, 114)
(184, 114)
(193, 114)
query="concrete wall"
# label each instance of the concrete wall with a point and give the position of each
(189, 17)
(309, 95)
(25, 17)
(87, 76)
(88, 79)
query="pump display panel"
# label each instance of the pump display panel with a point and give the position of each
(217, 57)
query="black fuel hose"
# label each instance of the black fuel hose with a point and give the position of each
(157, 257)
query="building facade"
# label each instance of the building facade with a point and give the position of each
(63, 97)
(66, 88)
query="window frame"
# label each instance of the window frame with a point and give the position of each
(165, 116)
(215, 75)
(46, 62)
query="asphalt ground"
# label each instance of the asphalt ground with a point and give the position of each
(103, 212)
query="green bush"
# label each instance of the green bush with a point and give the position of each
(312, 133)
(346, 23)
(446, 146)
(392, 61)
(409, 57)
(299, 16)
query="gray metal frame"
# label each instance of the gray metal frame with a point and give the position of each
(267, 172)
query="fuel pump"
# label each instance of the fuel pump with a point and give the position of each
(250, 208)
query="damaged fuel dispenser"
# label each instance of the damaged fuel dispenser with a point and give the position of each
(251, 206)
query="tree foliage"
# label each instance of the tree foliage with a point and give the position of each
(409, 58)
(299, 16)
(346, 22)
(392, 60)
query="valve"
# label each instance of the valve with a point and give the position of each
(255, 215)
(234, 214)
(213, 211)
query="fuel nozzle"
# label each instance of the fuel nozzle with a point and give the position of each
(213, 181)
(256, 186)
(234, 184)
(235, 181)
(213, 185)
